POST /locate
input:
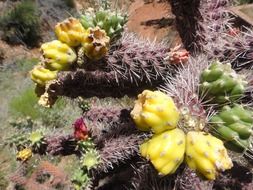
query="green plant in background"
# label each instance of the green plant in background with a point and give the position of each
(25, 105)
(80, 179)
(25, 65)
(245, 1)
(90, 158)
(3, 181)
(83, 104)
(22, 123)
(21, 24)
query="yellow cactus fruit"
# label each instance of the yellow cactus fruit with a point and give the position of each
(95, 44)
(24, 154)
(206, 154)
(156, 111)
(41, 76)
(70, 31)
(58, 56)
(165, 150)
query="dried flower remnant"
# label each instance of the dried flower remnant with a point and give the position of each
(177, 55)
(95, 45)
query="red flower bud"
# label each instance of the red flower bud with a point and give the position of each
(80, 130)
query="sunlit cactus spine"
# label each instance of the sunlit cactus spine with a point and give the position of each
(183, 88)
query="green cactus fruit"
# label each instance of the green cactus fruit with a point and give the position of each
(80, 179)
(220, 83)
(234, 126)
(90, 159)
(108, 20)
(36, 138)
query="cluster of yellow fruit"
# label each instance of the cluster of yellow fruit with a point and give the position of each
(169, 146)
(60, 54)
(24, 154)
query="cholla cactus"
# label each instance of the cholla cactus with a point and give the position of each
(60, 144)
(58, 56)
(206, 154)
(145, 178)
(188, 179)
(130, 66)
(183, 88)
(213, 33)
(165, 151)
(110, 21)
(70, 31)
(41, 75)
